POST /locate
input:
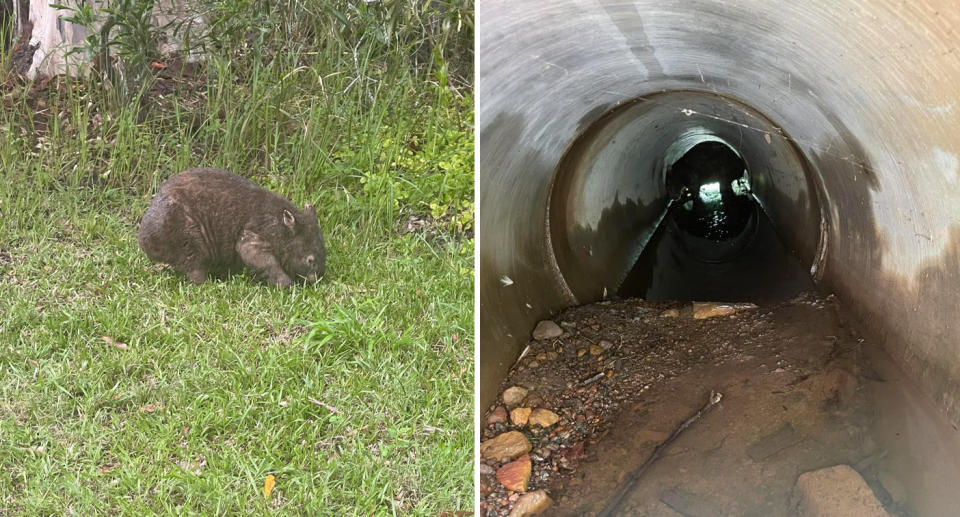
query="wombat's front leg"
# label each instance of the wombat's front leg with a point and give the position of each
(254, 255)
(197, 276)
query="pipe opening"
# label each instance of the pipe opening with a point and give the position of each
(684, 195)
(710, 192)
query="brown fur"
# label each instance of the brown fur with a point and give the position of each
(205, 221)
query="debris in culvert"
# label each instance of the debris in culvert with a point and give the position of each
(506, 446)
(547, 329)
(520, 415)
(837, 491)
(531, 504)
(514, 396)
(515, 475)
(634, 477)
(791, 373)
(543, 418)
(704, 310)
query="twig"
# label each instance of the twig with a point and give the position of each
(590, 380)
(324, 405)
(634, 477)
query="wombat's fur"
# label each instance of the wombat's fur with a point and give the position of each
(211, 221)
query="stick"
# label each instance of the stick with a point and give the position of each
(324, 405)
(592, 379)
(631, 482)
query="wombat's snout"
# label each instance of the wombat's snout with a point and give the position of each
(310, 260)
(312, 277)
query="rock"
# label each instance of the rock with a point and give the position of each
(596, 349)
(506, 446)
(519, 416)
(531, 504)
(543, 417)
(670, 313)
(516, 474)
(487, 470)
(547, 329)
(703, 310)
(581, 352)
(542, 356)
(497, 416)
(836, 491)
(551, 356)
(533, 364)
(512, 397)
(606, 345)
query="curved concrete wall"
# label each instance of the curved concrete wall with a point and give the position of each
(846, 113)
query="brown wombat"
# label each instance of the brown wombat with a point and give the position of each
(213, 221)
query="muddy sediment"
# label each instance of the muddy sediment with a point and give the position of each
(623, 375)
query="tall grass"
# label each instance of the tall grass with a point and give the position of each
(364, 110)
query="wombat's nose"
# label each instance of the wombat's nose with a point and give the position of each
(312, 277)
(310, 259)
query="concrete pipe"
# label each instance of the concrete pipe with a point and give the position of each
(845, 114)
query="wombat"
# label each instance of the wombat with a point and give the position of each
(213, 221)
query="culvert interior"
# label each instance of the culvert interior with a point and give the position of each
(843, 117)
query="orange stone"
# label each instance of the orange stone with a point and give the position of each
(516, 474)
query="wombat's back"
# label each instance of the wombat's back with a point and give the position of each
(204, 220)
(198, 215)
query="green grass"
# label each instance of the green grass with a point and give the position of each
(355, 393)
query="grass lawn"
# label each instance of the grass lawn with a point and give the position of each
(125, 389)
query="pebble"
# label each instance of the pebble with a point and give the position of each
(507, 446)
(596, 349)
(670, 313)
(512, 397)
(581, 352)
(519, 416)
(606, 345)
(547, 329)
(515, 475)
(497, 416)
(543, 418)
(531, 504)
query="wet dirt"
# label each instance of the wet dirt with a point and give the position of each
(624, 375)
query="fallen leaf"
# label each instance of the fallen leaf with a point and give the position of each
(150, 408)
(268, 485)
(112, 342)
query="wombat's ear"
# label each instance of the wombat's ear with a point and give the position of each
(309, 210)
(288, 219)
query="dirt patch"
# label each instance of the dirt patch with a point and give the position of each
(624, 375)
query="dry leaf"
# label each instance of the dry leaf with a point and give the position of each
(150, 408)
(112, 342)
(268, 485)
